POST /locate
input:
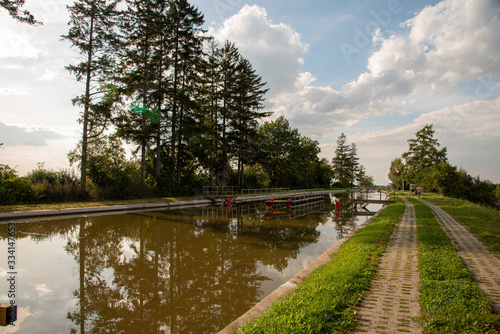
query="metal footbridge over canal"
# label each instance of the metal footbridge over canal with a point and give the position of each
(284, 196)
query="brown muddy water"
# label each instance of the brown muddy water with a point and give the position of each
(189, 270)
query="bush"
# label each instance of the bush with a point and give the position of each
(17, 190)
(449, 181)
(55, 186)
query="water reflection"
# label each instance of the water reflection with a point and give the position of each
(177, 271)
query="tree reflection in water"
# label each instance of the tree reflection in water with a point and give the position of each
(180, 271)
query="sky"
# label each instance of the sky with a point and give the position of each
(377, 71)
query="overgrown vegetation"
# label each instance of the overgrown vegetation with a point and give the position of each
(484, 222)
(325, 302)
(450, 301)
(426, 164)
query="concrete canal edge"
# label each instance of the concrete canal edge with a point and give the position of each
(287, 287)
(99, 210)
(112, 209)
(255, 311)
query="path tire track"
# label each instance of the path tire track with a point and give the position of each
(392, 300)
(483, 264)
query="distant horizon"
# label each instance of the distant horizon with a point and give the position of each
(376, 71)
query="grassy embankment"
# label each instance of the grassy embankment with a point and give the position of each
(481, 221)
(450, 300)
(325, 302)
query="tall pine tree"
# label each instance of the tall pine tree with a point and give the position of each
(342, 171)
(424, 152)
(91, 32)
(186, 44)
(142, 74)
(248, 103)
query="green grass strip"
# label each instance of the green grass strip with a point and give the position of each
(450, 300)
(482, 221)
(325, 302)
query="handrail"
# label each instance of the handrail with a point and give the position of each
(264, 191)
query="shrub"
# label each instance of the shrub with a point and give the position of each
(17, 190)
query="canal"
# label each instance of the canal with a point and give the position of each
(191, 270)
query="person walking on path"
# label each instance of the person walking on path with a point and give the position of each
(412, 189)
(419, 191)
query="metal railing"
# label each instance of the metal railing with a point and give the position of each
(264, 191)
(306, 190)
(220, 190)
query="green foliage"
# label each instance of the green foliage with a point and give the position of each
(16, 190)
(289, 159)
(423, 153)
(207, 106)
(15, 11)
(40, 185)
(7, 173)
(111, 174)
(55, 186)
(342, 169)
(397, 178)
(450, 300)
(326, 301)
(254, 177)
(346, 167)
(425, 165)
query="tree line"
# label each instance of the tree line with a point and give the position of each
(426, 164)
(192, 108)
(153, 76)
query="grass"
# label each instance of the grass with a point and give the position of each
(450, 300)
(325, 302)
(482, 221)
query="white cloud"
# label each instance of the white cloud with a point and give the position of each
(16, 45)
(275, 50)
(42, 289)
(12, 135)
(470, 131)
(48, 75)
(442, 46)
(11, 91)
(461, 39)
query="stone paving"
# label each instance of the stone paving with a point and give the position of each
(393, 298)
(392, 302)
(484, 266)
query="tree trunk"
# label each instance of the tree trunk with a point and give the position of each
(83, 176)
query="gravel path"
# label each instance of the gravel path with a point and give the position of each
(485, 266)
(393, 298)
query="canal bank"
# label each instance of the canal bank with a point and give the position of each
(188, 264)
(268, 250)
(113, 209)
(287, 287)
(450, 301)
